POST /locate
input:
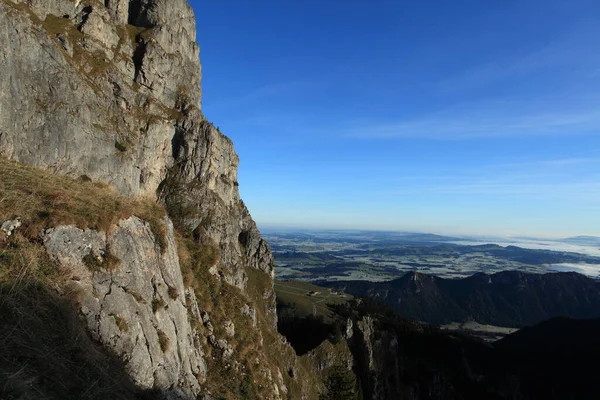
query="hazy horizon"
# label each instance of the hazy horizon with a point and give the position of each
(477, 119)
(274, 226)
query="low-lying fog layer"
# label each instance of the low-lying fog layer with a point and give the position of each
(592, 270)
(535, 244)
(377, 256)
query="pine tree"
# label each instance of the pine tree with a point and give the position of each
(340, 384)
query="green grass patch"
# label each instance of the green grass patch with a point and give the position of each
(294, 296)
(120, 146)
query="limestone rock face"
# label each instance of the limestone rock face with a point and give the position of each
(138, 309)
(45, 7)
(84, 93)
(206, 168)
(110, 91)
(119, 10)
(168, 55)
(376, 362)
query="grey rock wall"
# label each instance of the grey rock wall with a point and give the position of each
(82, 93)
(86, 94)
(138, 307)
(375, 357)
(110, 90)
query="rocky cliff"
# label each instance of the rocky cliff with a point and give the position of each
(131, 269)
(164, 266)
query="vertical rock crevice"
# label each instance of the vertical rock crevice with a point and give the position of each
(138, 13)
(138, 60)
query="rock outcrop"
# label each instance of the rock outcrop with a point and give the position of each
(139, 307)
(109, 91)
(79, 93)
(85, 94)
(375, 354)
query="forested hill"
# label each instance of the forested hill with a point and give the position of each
(509, 298)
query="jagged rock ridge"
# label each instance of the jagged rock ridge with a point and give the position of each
(508, 298)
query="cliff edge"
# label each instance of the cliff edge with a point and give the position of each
(119, 197)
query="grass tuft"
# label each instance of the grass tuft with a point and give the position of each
(164, 340)
(121, 324)
(158, 304)
(173, 293)
(120, 146)
(138, 297)
(93, 262)
(22, 260)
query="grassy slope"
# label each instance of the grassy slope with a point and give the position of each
(45, 352)
(42, 200)
(296, 293)
(314, 329)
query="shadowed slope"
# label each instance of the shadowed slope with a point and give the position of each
(47, 354)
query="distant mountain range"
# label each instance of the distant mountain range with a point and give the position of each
(509, 298)
(582, 240)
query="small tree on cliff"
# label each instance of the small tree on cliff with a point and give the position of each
(340, 384)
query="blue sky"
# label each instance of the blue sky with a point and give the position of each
(472, 117)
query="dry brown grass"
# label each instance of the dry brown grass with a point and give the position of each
(138, 297)
(224, 302)
(158, 304)
(22, 261)
(173, 293)
(121, 323)
(163, 340)
(46, 352)
(43, 200)
(195, 260)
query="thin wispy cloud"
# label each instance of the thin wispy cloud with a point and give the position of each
(583, 191)
(574, 50)
(559, 162)
(573, 179)
(490, 72)
(579, 190)
(565, 101)
(484, 123)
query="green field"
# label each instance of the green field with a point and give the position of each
(296, 293)
(379, 256)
